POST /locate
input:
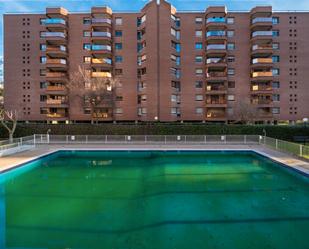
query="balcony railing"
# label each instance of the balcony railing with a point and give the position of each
(218, 33)
(215, 115)
(53, 21)
(262, 74)
(261, 19)
(214, 60)
(55, 75)
(56, 49)
(215, 88)
(261, 101)
(101, 34)
(215, 20)
(216, 101)
(101, 48)
(262, 33)
(101, 74)
(53, 34)
(262, 60)
(216, 47)
(55, 115)
(55, 88)
(55, 101)
(56, 61)
(101, 61)
(216, 74)
(101, 20)
(261, 88)
(258, 47)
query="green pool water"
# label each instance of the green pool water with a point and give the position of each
(133, 200)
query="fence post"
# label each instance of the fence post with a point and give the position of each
(264, 140)
(185, 139)
(301, 150)
(145, 138)
(276, 144)
(86, 139)
(34, 139)
(245, 139)
(105, 138)
(205, 139)
(47, 138)
(164, 139)
(67, 139)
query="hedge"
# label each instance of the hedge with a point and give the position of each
(275, 131)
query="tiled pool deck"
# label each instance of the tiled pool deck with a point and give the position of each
(12, 161)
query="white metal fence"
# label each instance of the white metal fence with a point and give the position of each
(24, 143)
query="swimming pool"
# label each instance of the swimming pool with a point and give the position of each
(154, 199)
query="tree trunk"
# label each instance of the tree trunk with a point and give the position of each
(11, 136)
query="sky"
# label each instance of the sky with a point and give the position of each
(20, 6)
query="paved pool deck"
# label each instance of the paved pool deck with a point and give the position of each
(12, 161)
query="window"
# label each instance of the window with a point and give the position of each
(141, 111)
(87, 46)
(42, 72)
(198, 33)
(198, 59)
(231, 84)
(87, 59)
(276, 33)
(43, 85)
(198, 84)
(199, 110)
(275, 46)
(275, 20)
(230, 97)
(230, 71)
(176, 85)
(276, 110)
(275, 58)
(176, 46)
(86, 20)
(198, 46)
(118, 59)
(43, 98)
(276, 97)
(118, 21)
(231, 58)
(118, 71)
(118, 46)
(199, 20)
(86, 33)
(276, 71)
(276, 84)
(43, 111)
(176, 59)
(230, 33)
(230, 20)
(199, 72)
(199, 97)
(43, 59)
(175, 110)
(43, 47)
(230, 46)
(118, 110)
(118, 33)
(175, 98)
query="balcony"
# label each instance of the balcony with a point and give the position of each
(56, 63)
(216, 35)
(262, 102)
(56, 115)
(216, 76)
(261, 22)
(216, 89)
(56, 102)
(262, 75)
(101, 62)
(262, 62)
(101, 49)
(263, 35)
(216, 102)
(214, 115)
(55, 89)
(216, 20)
(54, 23)
(101, 22)
(262, 49)
(216, 62)
(56, 51)
(101, 74)
(98, 35)
(261, 89)
(56, 76)
(54, 37)
(216, 49)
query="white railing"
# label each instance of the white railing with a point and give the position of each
(17, 145)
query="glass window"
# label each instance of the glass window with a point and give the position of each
(118, 46)
(87, 34)
(198, 84)
(118, 33)
(87, 59)
(230, 71)
(231, 84)
(276, 58)
(118, 21)
(43, 84)
(118, 110)
(198, 59)
(276, 97)
(198, 71)
(276, 33)
(230, 97)
(199, 97)
(276, 110)
(230, 33)
(198, 20)
(86, 20)
(230, 20)
(231, 58)
(230, 46)
(43, 47)
(198, 46)
(199, 110)
(276, 71)
(198, 33)
(118, 59)
(43, 59)
(275, 46)
(42, 72)
(87, 46)
(276, 84)
(275, 20)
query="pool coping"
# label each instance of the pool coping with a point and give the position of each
(289, 165)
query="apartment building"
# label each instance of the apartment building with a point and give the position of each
(206, 66)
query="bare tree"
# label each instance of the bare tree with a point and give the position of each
(93, 92)
(9, 121)
(245, 113)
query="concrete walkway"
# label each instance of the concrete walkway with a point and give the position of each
(12, 161)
